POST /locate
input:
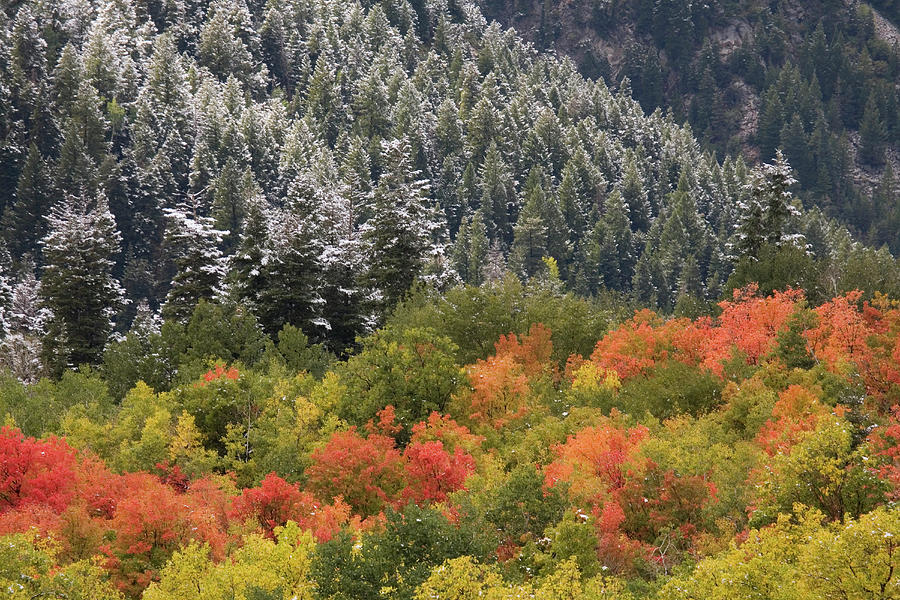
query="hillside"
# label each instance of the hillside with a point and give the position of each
(819, 79)
(308, 162)
(374, 299)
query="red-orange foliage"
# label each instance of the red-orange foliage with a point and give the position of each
(750, 324)
(796, 412)
(367, 473)
(275, 502)
(219, 372)
(44, 483)
(632, 498)
(595, 461)
(152, 520)
(432, 472)
(447, 431)
(35, 472)
(632, 348)
(501, 383)
(842, 333)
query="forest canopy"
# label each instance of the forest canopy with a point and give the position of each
(330, 299)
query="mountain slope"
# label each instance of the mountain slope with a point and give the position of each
(819, 79)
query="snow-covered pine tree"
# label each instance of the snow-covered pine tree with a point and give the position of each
(770, 184)
(399, 237)
(192, 244)
(470, 250)
(25, 322)
(292, 269)
(23, 220)
(77, 283)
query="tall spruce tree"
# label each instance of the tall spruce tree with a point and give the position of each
(23, 220)
(399, 236)
(872, 134)
(78, 286)
(192, 244)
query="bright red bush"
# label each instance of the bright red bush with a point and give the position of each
(366, 473)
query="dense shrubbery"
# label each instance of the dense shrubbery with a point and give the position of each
(674, 452)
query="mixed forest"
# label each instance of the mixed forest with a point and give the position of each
(330, 299)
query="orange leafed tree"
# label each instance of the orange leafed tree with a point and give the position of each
(367, 473)
(501, 383)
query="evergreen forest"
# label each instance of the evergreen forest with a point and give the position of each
(446, 300)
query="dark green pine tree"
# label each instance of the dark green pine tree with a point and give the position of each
(872, 135)
(67, 77)
(610, 247)
(467, 190)
(246, 278)
(770, 185)
(497, 197)
(635, 196)
(470, 250)
(77, 283)
(6, 290)
(529, 245)
(23, 221)
(572, 205)
(232, 191)
(649, 284)
(771, 121)
(685, 235)
(293, 276)
(796, 147)
(750, 235)
(192, 244)
(398, 237)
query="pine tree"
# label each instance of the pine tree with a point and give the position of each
(77, 284)
(23, 221)
(25, 326)
(770, 185)
(470, 250)
(771, 120)
(497, 196)
(6, 288)
(872, 134)
(232, 190)
(610, 248)
(635, 196)
(796, 148)
(192, 244)
(750, 235)
(530, 239)
(399, 236)
(293, 276)
(684, 235)
(246, 265)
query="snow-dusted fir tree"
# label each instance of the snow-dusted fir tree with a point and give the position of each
(470, 249)
(292, 268)
(23, 222)
(6, 285)
(768, 210)
(399, 237)
(77, 284)
(192, 243)
(248, 263)
(771, 185)
(341, 204)
(25, 322)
